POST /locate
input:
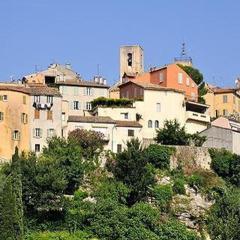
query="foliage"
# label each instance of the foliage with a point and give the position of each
(197, 140)
(224, 217)
(159, 156)
(226, 165)
(178, 186)
(11, 209)
(205, 181)
(63, 235)
(174, 230)
(133, 169)
(91, 141)
(68, 157)
(111, 102)
(163, 195)
(173, 134)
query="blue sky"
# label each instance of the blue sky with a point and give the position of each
(88, 33)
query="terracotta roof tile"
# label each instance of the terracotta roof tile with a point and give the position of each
(91, 119)
(128, 124)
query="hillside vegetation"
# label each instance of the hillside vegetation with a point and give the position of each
(65, 194)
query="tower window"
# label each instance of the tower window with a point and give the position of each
(129, 59)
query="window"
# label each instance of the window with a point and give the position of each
(129, 59)
(24, 100)
(76, 91)
(51, 132)
(234, 99)
(88, 106)
(37, 132)
(124, 115)
(119, 148)
(217, 113)
(187, 81)
(16, 135)
(180, 78)
(36, 114)
(193, 96)
(158, 107)
(225, 100)
(193, 85)
(156, 124)
(161, 77)
(89, 91)
(150, 123)
(76, 105)
(49, 115)
(37, 99)
(5, 98)
(225, 112)
(130, 133)
(49, 99)
(24, 118)
(63, 116)
(1, 116)
(37, 148)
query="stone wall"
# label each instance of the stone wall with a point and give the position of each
(190, 158)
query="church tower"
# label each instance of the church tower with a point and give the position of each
(131, 60)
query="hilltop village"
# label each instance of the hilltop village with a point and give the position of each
(57, 100)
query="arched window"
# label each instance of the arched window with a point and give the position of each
(156, 124)
(150, 123)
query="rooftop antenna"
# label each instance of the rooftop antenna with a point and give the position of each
(98, 69)
(36, 68)
(184, 58)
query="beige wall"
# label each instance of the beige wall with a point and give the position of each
(79, 93)
(43, 123)
(12, 110)
(216, 103)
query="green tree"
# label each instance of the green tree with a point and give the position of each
(68, 156)
(224, 217)
(197, 77)
(133, 169)
(91, 142)
(158, 156)
(11, 208)
(172, 134)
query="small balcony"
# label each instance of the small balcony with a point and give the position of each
(197, 116)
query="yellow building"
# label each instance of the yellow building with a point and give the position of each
(14, 123)
(223, 102)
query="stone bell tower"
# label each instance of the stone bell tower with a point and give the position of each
(131, 60)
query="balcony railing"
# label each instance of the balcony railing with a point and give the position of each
(42, 106)
(197, 116)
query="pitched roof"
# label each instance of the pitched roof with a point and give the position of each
(82, 83)
(100, 119)
(90, 119)
(151, 86)
(224, 90)
(38, 91)
(128, 124)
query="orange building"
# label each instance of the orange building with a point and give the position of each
(170, 76)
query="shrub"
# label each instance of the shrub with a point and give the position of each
(226, 165)
(111, 102)
(159, 156)
(163, 195)
(178, 186)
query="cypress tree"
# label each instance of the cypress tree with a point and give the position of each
(11, 208)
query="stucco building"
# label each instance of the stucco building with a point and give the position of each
(223, 101)
(28, 116)
(223, 133)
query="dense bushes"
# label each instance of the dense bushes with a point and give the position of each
(111, 102)
(159, 156)
(173, 134)
(226, 165)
